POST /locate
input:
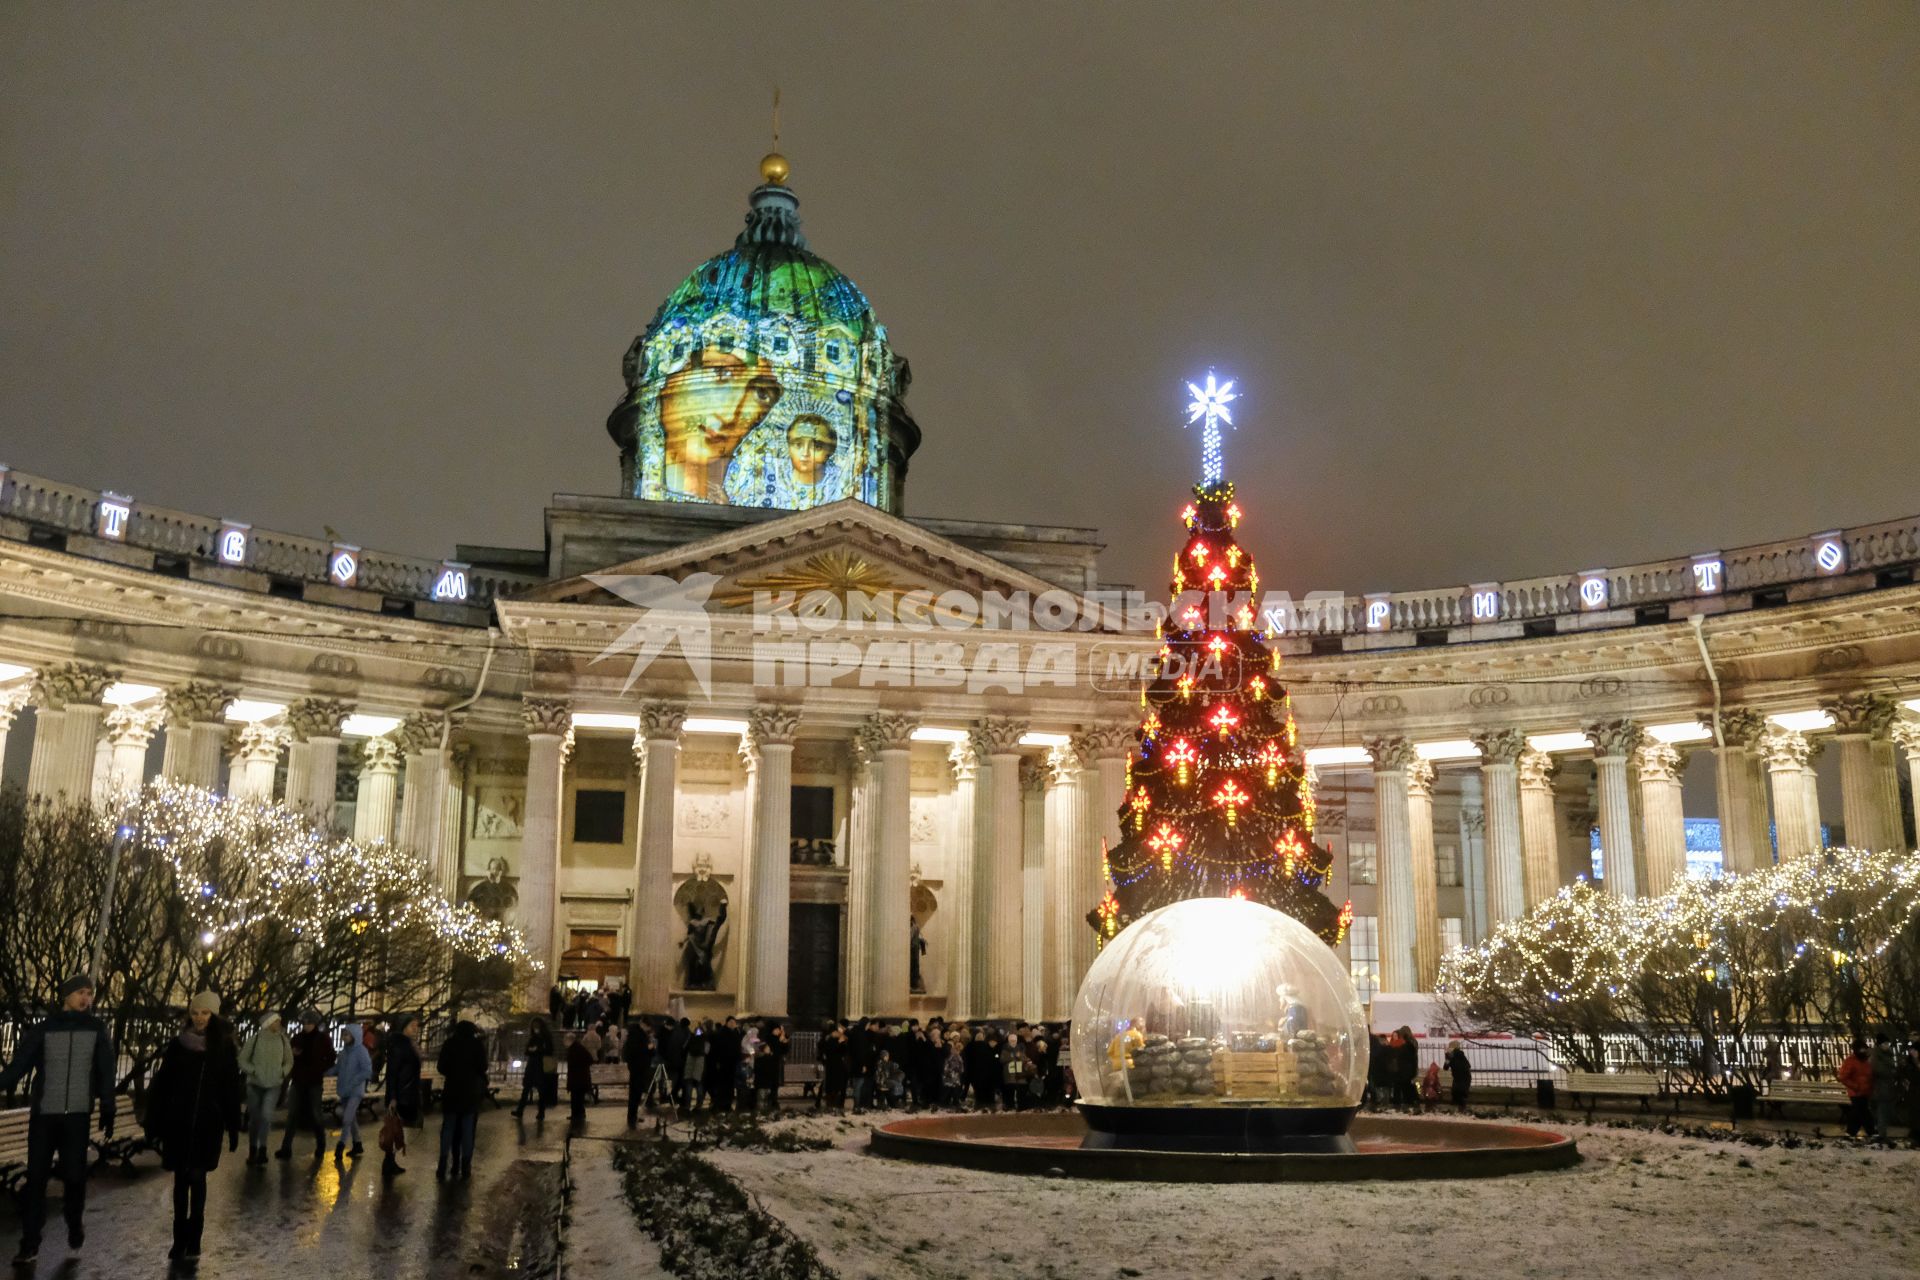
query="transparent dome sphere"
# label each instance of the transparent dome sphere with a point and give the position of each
(1218, 1002)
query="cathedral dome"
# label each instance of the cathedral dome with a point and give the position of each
(764, 380)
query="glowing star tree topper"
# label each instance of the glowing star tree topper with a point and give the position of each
(1209, 406)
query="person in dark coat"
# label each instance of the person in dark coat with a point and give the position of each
(982, 1055)
(723, 1063)
(403, 1080)
(195, 1099)
(579, 1075)
(313, 1057)
(533, 1071)
(767, 1066)
(637, 1052)
(71, 1057)
(833, 1068)
(463, 1087)
(1462, 1069)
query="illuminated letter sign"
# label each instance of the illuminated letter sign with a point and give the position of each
(111, 516)
(1708, 576)
(452, 582)
(1593, 591)
(1485, 603)
(1830, 553)
(232, 545)
(1379, 613)
(343, 566)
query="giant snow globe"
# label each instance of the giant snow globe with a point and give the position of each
(1218, 1024)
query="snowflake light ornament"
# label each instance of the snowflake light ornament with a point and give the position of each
(1209, 406)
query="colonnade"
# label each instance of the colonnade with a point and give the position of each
(1765, 788)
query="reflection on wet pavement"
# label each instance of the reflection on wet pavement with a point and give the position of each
(332, 1219)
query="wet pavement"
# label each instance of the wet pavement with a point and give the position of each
(295, 1217)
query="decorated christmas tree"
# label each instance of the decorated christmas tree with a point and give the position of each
(1219, 801)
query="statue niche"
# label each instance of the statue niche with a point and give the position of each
(921, 906)
(701, 904)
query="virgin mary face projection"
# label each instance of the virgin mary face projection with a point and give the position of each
(811, 443)
(706, 410)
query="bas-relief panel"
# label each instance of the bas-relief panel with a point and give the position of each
(709, 819)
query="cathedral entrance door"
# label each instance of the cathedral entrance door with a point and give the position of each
(813, 963)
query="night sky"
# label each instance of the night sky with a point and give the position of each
(1509, 289)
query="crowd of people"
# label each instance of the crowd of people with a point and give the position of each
(210, 1087)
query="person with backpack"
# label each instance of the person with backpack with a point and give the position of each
(265, 1062)
(71, 1056)
(193, 1100)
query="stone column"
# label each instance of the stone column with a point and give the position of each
(453, 812)
(1907, 734)
(1661, 768)
(547, 721)
(1539, 827)
(1786, 753)
(959, 897)
(770, 737)
(1614, 742)
(1507, 884)
(1426, 892)
(12, 698)
(373, 807)
(130, 729)
(998, 874)
(196, 733)
(1102, 791)
(1065, 863)
(67, 714)
(1033, 889)
(313, 759)
(863, 836)
(1740, 790)
(418, 738)
(256, 758)
(657, 744)
(890, 902)
(1869, 793)
(1810, 792)
(1392, 758)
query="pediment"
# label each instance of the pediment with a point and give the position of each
(848, 550)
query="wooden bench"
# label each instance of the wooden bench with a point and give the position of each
(1594, 1085)
(807, 1075)
(128, 1139)
(1813, 1092)
(13, 1149)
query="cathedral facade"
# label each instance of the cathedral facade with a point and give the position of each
(749, 737)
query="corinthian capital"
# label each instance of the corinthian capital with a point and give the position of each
(197, 702)
(772, 726)
(1104, 741)
(134, 726)
(1614, 737)
(661, 721)
(1659, 762)
(12, 698)
(1785, 749)
(963, 760)
(1904, 732)
(548, 717)
(1063, 765)
(1500, 746)
(1390, 753)
(886, 731)
(996, 736)
(1420, 779)
(1536, 770)
(71, 682)
(310, 718)
(418, 731)
(379, 755)
(1861, 713)
(259, 740)
(1741, 727)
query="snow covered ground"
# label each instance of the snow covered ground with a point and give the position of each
(602, 1239)
(1641, 1205)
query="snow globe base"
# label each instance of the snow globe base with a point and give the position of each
(1224, 1127)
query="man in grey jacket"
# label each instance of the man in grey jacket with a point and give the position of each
(71, 1056)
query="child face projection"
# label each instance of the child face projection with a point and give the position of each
(811, 442)
(706, 409)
